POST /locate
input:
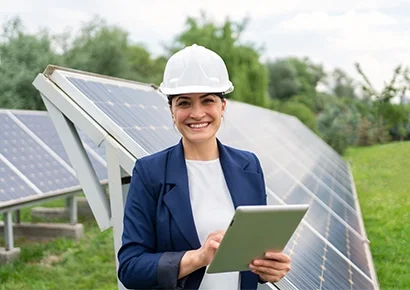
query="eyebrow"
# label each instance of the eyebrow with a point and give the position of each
(188, 98)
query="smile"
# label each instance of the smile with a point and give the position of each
(198, 126)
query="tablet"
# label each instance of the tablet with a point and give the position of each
(253, 231)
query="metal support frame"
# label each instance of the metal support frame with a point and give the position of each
(86, 175)
(117, 195)
(366, 241)
(71, 206)
(8, 230)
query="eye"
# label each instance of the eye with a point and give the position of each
(183, 104)
(208, 101)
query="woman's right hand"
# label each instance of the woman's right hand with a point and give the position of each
(207, 252)
(196, 259)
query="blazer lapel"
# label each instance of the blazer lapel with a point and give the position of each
(241, 183)
(177, 198)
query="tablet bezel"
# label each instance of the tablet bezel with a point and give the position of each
(259, 226)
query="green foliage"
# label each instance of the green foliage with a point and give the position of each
(309, 74)
(100, 48)
(248, 74)
(343, 86)
(283, 82)
(22, 57)
(383, 188)
(143, 67)
(302, 112)
(366, 134)
(337, 124)
(105, 49)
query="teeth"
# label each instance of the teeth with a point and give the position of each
(198, 125)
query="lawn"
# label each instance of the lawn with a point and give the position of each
(382, 177)
(63, 264)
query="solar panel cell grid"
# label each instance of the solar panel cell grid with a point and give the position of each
(11, 185)
(31, 159)
(42, 126)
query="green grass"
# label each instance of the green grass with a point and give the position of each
(382, 177)
(62, 263)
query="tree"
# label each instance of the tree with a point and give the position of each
(302, 112)
(308, 74)
(283, 82)
(143, 67)
(386, 114)
(343, 85)
(22, 57)
(338, 125)
(106, 49)
(247, 73)
(100, 48)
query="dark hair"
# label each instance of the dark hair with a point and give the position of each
(170, 97)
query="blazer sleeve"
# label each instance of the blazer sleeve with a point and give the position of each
(140, 266)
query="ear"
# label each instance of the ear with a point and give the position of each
(223, 106)
(172, 113)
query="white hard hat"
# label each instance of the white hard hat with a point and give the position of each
(195, 69)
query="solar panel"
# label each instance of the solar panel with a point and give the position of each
(328, 250)
(41, 125)
(33, 160)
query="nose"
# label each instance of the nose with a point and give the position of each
(197, 112)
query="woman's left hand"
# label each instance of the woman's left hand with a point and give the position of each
(272, 268)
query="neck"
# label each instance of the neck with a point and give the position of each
(201, 151)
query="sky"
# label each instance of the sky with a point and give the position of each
(334, 33)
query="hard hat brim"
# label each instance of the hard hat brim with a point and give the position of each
(196, 89)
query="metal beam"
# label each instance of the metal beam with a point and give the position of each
(8, 230)
(117, 195)
(70, 109)
(86, 175)
(366, 242)
(71, 205)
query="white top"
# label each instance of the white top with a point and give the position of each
(212, 209)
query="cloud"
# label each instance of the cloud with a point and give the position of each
(323, 21)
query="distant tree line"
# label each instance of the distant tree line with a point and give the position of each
(340, 110)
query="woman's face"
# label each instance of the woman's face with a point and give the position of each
(197, 116)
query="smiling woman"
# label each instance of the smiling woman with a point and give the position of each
(182, 199)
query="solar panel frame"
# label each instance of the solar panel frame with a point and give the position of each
(60, 77)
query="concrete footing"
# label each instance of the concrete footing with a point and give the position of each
(9, 256)
(83, 210)
(44, 231)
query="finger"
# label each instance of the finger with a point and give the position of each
(217, 237)
(269, 272)
(214, 244)
(268, 278)
(278, 256)
(272, 264)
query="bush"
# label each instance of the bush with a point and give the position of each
(337, 125)
(302, 112)
(366, 132)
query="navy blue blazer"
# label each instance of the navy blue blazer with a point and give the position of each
(158, 223)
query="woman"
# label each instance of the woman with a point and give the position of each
(181, 199)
